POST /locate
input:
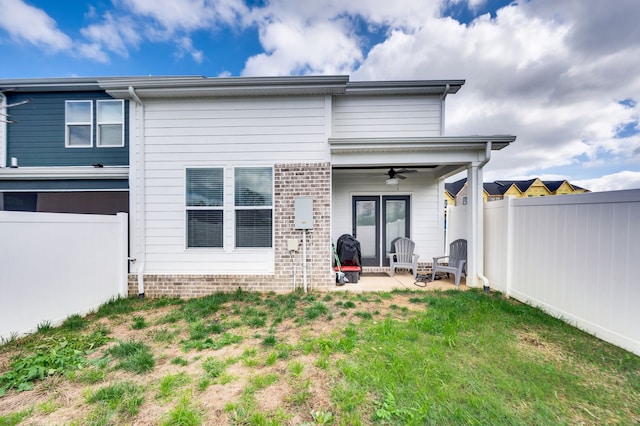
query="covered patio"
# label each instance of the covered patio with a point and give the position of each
(366, 199)
(373, 280)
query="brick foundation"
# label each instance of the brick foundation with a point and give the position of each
(291, 181)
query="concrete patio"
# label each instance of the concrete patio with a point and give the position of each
(382, 281)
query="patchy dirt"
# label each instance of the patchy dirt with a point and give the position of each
(293, 385)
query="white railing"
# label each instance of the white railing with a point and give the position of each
(56, 265)
(575, 256)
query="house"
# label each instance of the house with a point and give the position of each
(245, 182)
(456, 192)
(64, 147)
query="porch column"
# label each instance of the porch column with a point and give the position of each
(474, 225)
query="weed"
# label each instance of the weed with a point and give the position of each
(169, 383)
(213, 367)
(301, 392)
(134, 356)
(170, 318)
(139, 323)
(164, 335)
(388, 409)
(74, 323)
(46, 407)
(14, 418)
(115, 307)
(321, 417)
(179, 361)
(56, 354)
(295, 368)
(253, 317)
(363, 315)
(315, 310)
(269, 340)
(120, 399)
(44, 326)
(209, 343)
(348, 304)
(185, 413)
(271, 359)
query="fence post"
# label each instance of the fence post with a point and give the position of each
(123, 255)
(509, 243)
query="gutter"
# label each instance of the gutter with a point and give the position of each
(140, 195)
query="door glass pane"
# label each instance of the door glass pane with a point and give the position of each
(366, 227)
(395, 221)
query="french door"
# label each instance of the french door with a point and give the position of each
(377, 222)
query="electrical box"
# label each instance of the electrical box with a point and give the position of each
(292, 245)
(303, 213)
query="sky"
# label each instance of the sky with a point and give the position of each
(563, 76)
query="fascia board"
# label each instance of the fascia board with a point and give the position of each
(45, 173)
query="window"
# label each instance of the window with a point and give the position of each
(110, 123)
(204, 206)
(253, 203)
(79, 124)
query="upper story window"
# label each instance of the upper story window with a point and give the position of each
(110, 123)
(79, 124)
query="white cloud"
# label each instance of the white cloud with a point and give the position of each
(29, 24)
(187, 15)
(114, 35)
(613, 182)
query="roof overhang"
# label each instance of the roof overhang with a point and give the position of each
(446, 155)
(166, 87)
(64, 173)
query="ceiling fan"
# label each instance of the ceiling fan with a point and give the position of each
(394, 175)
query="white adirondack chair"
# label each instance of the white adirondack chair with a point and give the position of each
(404, 257)
(457, 260)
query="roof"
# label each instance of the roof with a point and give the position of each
(499, 187)
(194, 85)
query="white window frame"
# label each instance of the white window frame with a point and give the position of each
(68, 124)
(189, 208)
(270, 207)
(99, 123)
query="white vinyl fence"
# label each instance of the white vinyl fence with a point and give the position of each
(56, 265)
(575, 256)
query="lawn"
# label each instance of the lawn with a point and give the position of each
(317, 359)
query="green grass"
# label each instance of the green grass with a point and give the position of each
(134, 356)
(428, 358)
(116, 402)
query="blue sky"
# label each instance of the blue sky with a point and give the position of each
(563, 76)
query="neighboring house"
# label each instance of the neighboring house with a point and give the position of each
(64, 147)
(456, 192)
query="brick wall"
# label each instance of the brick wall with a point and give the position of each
(291, 181)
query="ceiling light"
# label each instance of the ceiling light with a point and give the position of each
(392, 181)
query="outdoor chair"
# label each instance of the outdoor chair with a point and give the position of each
(457, 261)
(404, 256)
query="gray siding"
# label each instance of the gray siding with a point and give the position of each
(37, 136)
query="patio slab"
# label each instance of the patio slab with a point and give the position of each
(400, 281)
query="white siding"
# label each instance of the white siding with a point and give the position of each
(226, 133)
(426, 225)
(393, 116)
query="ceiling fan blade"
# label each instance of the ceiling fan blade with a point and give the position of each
(400, 176)
(406, 171)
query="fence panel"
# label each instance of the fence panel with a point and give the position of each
(575, 256)
(55, 265)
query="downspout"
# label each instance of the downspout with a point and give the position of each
(3, 130)
(487, 157)
(141, 256)
(442, 98)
